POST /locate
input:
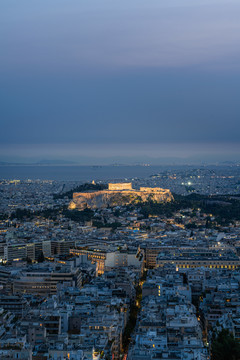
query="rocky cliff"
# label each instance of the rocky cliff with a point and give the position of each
(105, 198)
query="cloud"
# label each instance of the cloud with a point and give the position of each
(126, 72)
(63, 35)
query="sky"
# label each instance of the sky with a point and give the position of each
(127, 81)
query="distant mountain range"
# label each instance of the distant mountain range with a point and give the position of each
(166, 162)
(39, 163)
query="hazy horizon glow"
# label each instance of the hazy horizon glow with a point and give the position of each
(123, 153)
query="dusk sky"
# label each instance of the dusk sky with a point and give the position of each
(129, 81)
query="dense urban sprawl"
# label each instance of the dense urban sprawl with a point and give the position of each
(144, 281)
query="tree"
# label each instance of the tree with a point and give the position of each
(41, 257)
(29, 261)
(81, 188)
(225, 347)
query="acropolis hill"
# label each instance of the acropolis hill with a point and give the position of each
(118, 195)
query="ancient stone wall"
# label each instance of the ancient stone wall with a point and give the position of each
(104, 198)
(148, 189)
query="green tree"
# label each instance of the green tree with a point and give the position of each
(225, 347)
(81, 188)
(41, 257)
(29, 261)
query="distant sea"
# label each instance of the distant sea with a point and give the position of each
(77, 173)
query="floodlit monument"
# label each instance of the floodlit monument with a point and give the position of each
(118, 194)
(120, 186)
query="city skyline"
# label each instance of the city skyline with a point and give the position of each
(120, 180)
